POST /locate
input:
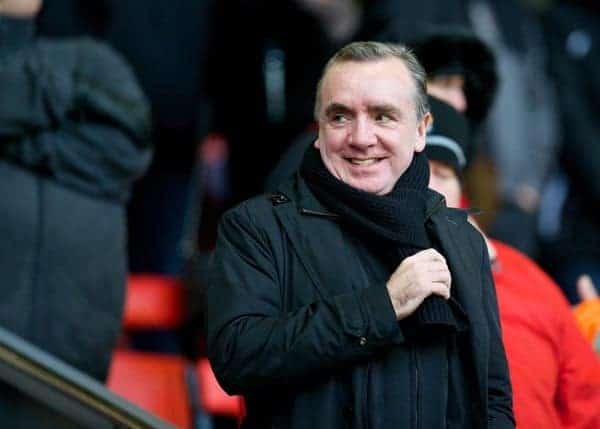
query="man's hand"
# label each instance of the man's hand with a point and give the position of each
(585, 288)
(416, 278)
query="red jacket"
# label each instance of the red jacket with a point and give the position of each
(554, 372)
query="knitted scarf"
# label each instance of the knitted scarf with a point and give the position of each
(398, 219)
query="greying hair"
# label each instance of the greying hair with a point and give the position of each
(375, 51)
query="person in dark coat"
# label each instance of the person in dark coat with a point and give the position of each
(352, 296)
(166, 42)
(74, 134)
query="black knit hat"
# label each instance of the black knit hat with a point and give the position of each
(448, 137)
(459, 51)
(453, 50)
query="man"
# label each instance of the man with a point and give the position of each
(554, 373)
(353, 297)
(74, 129)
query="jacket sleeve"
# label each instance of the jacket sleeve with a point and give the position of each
(77, 115)
(254, 344)
(500, 411)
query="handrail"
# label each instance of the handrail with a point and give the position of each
(66, 389)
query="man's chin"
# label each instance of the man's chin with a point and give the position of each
(371, 187)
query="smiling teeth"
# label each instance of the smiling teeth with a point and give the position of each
(368, 161)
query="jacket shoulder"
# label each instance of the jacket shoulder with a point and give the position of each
(456, 222)
(253, 214)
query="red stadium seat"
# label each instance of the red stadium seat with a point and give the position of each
(154, 382)
(213, 398)
(153, 302)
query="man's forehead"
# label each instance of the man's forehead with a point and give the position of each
(378, 83)
(391, 73)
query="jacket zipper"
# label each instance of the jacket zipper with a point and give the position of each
(367, 423)
(416, 386)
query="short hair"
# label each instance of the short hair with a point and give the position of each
(375, 51)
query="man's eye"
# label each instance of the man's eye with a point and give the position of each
(383, 118)
(339, 118)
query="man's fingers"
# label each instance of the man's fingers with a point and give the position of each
(440, 289)
(429, 254)
(426, 256)
(436, 266)
(442, 276)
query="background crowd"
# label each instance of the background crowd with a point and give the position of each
(219, 91)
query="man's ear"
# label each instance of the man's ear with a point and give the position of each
(316, 143)
(422, 128)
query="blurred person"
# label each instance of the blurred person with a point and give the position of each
(462, 71)
(572, 245)
(329, 302)
(166, 42)
(554, 373)
(522, 155)
(74, 134)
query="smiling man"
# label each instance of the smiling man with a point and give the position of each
(352, 297)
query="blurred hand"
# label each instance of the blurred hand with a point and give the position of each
(20, 8)
(416, 278)
(585, 288)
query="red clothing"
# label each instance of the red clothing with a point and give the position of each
(554, 372)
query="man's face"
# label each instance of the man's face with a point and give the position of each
(443, 179)
(368, 127)
(449, 88)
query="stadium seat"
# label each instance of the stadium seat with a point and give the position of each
(153, 302)
(154, 382)
(213, 398)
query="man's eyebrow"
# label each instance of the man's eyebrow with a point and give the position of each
(337, 108)
(385, 108)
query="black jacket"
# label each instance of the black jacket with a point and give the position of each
(287, 324)
(74, 129)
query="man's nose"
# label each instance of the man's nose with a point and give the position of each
(363, 133)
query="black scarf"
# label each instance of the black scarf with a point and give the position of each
(397, 218)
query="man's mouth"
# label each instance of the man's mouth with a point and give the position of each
(363, 161)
